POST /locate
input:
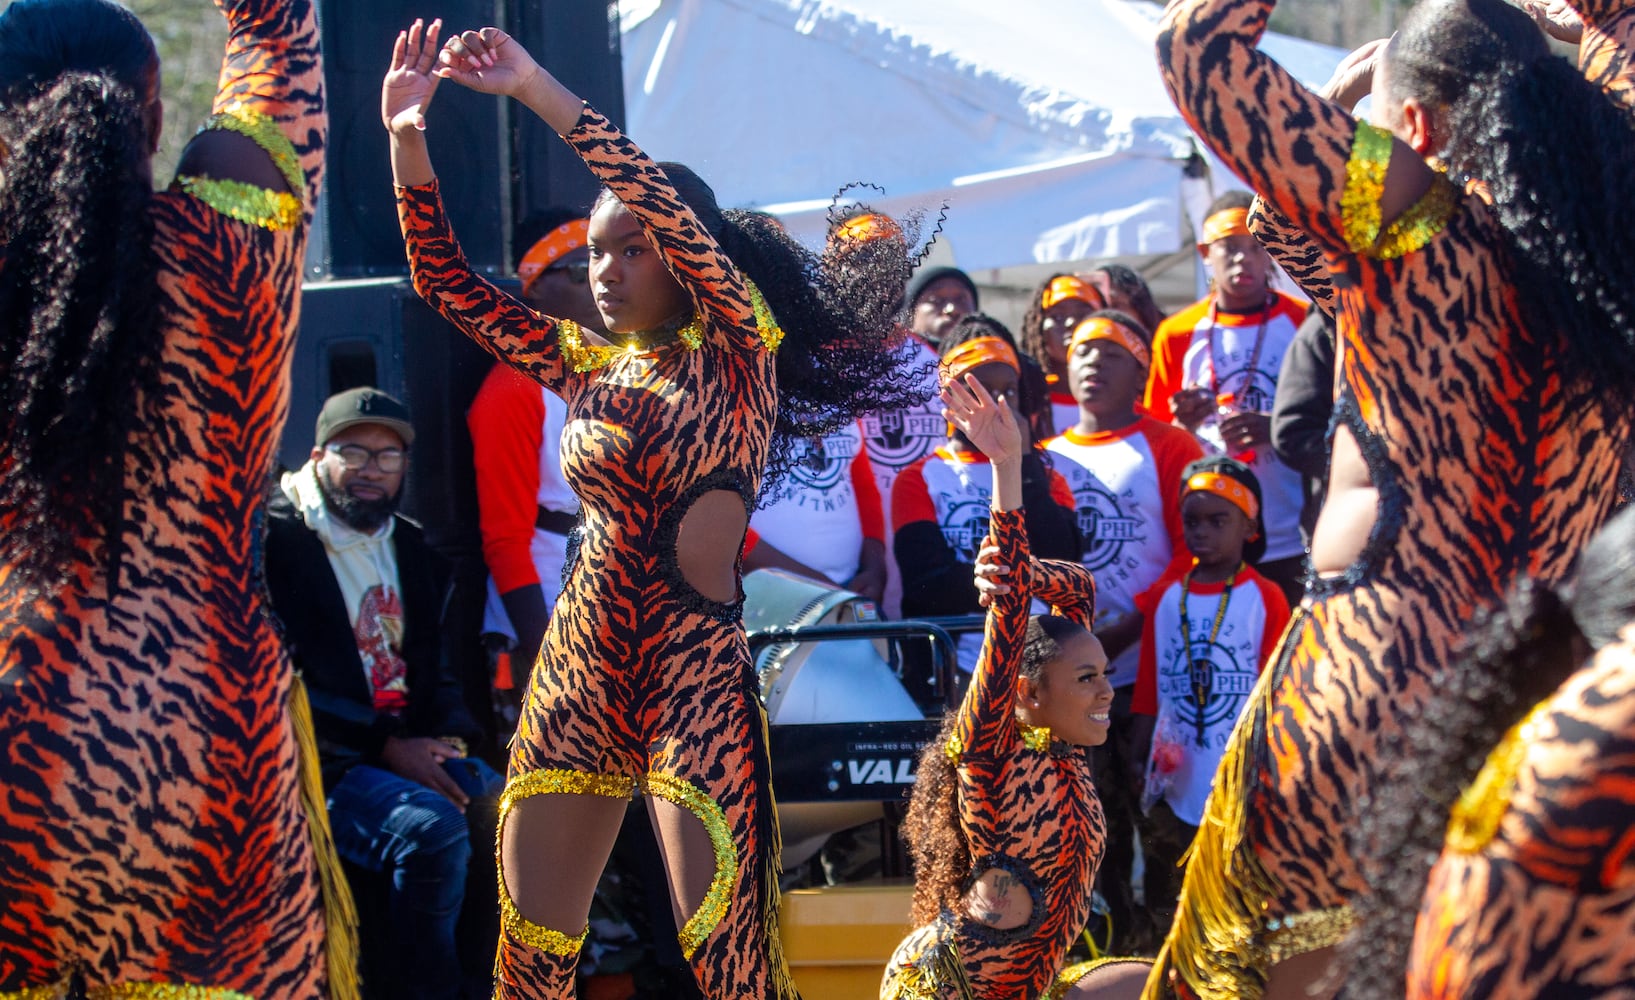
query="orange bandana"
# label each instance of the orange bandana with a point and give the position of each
(1102, 328)
(1226, 222)
(554, 245)
(865, 229)
(976, 353)
(1226, 488)
(1068, 287)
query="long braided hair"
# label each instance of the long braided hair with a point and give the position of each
(1553, 151)
(79, 299)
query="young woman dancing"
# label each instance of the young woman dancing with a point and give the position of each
(152, 837)
(722, 331)
(1004, 824)
(1482, 416)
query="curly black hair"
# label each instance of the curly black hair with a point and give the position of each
(79, 297)
(1516, 654)
(936, 839)
(1031, 334)
(839, 358)
(1553, 151)
(1127, 282)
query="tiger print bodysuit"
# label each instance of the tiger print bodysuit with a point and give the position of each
(152, 837)
(643, 682)
(1026, 802)
(1534, 894)
(1487, 464)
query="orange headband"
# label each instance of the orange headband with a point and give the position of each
(975, 353)
(1069, 287)
(1102, 328)
(1227, 488)
(557, 243)
(1226, 222)
(865, 229)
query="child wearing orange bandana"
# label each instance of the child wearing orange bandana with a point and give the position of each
(1209, 631)
(1060, 304)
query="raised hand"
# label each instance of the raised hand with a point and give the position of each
(489, 61)
(990, 574)
(988, 423)
(410, 81)
(1558, 19)
(1353, 79)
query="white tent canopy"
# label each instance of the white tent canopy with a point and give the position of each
(1042, 124)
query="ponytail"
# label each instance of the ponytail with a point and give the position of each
(79, 323)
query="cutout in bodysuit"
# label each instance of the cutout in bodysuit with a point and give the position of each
(707, 543)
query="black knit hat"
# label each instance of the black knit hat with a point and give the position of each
(926, 275)
(1231, 468)
(363, 405)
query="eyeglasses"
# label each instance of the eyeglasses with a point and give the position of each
(355, 457)
(578, 272)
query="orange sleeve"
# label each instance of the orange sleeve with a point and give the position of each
(1061, 492)
(911, 498)
(1172, 451)
(1144, 700)
(1169, 352)
(507, 420)
(871, 512)
(1277, 617)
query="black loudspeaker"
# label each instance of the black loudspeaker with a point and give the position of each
(495, 161)
(356, 232)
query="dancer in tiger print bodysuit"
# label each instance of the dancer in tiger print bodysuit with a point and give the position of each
(1481, 421)
(152, 837)
(644, 681)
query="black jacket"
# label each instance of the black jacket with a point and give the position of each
(1303, 409)
(319, 634)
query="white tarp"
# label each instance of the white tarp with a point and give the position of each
(1041, 123)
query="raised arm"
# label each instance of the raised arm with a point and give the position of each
(1068, 587)
(1604, 52)
(442, 277)
(260, 156)
(1296, 253)
(1337, 180)
(491, 61)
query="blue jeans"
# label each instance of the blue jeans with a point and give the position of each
(422, 842)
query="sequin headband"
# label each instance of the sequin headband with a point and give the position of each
(1226, 222)
(865, 229)
(1068, 287)
(1102, 328)
(1227, 488)
(975, 353)
(554, 245)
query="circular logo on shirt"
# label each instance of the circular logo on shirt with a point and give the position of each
(898, 439)
(1206, 685)
(1253, 387)
(820, 463)
(965, 526)
(1103, 524)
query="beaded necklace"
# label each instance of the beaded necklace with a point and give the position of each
(1200, 672)
(1254, 356)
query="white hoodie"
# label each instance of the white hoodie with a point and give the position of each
(365, 567)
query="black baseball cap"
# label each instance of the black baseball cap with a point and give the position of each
(926, 275)
(363, 405)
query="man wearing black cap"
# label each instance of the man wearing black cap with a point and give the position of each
(937, 298)
(360, 594)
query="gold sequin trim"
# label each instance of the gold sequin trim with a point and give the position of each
(162, 991)
(692, 335)
(549, 781)
(714, 906)
(1306, 932)
(570, 339)
(954, 748)
(1415, 228)
(54, 991)
(1070, 976)
(1475, 818)
(263, 130)
(277, 211)
(765, 323)
(1035, 738)
(1364, 185)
